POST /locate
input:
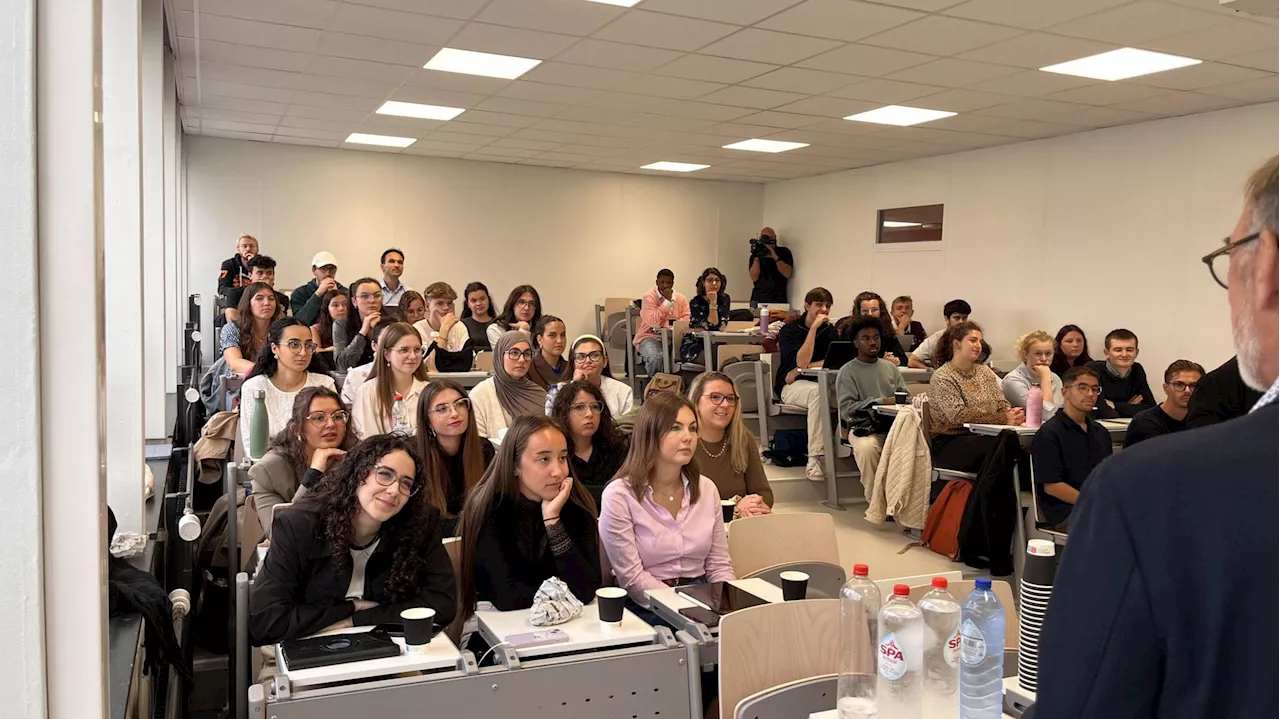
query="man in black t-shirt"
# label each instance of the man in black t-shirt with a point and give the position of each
(235, 271)
(1180, 382)
(803, 343)
(1068, 446)
(770, 268)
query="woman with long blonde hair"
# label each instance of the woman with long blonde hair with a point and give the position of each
(727, 451)
(1035, 349)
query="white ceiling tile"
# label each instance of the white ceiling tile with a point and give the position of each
(231, 89)
(866, 60)
(235, 103)
(841, 132)
(246, 55)
(1204, 76)
(444, 134)
(667, 87)
(328, 113)
(363, 47)
(523, 144)
(617, 56)
(571, 17)
(433, 146)
(1230, 38)
(240, 75)
(559, 73)
(671, 122)
(1178, 103)
(490, 154)
(714, 69)
(393, 25)
(831, 107)
(752, 97)
(765, 46)
(701, 110)
(648, 28)
(1035, 50)
(965, 121)
(257, 118)
(889, 92)
(966, 100)
(460, 9)
(396, 125)
(309, 141)
(482, 117)
(939, 35)
(343, 86)
(533, 133)
(602, 115)
(428, 152)
(542, 92)
(772, 118)
(458, 82)
(1139, 22)
(1031, 129)
(1031, 14)
(305, 132)
(314, 124)
(1259, 90)
(838, 19)
(461, 125)
(208, 125)
(622, 101)
(953, 73)
(603, 142)
(299, 13)
(799, 79)
(1107, 93)
(923, 5)
(232, 135)
(738, 12)
(365, 71)
(510, 41)
(249, 32)
(1028, 108)
(1032, 83)
(1265, 60)
(741, 130)
(571, 157)
(514, 106)
(339, 102)
(1101, 117)
(536, 162)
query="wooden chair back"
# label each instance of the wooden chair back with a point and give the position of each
(453, 547)
(802, 697)
(483, 361)
(962, 588)
(679, 329)
(724, 353)
(757, 543)
(740, 326)
(772, 644)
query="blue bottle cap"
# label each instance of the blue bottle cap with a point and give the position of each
(982, 583)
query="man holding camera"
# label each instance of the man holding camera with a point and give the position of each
(770, 268)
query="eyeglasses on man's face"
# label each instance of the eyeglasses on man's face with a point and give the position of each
(1184, 386)
(444, 409)
(320, 419)
(1218, 262)
(387, 476)
(1090, 389)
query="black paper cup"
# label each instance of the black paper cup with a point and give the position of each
(419, 625)
(610, 601)
(1040, 565)
(902, 398)
(794, 585)
(726, 508)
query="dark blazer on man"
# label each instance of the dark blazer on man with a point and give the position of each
(298, 591)
(1165, 603)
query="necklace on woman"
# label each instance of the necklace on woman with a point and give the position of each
(717, 455)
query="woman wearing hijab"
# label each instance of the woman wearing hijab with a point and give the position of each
(509, 393)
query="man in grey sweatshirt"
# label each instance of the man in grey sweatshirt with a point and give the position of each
(862, 383)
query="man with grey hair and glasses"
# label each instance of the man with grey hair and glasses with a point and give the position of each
(1164, 605)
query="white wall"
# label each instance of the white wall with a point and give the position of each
(1102, 229)
(577, 236)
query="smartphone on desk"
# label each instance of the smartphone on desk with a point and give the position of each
(536, 639)
(702, 616)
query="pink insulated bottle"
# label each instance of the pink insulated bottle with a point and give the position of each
(1035, 406)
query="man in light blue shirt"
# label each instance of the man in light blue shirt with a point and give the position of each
(392, 268)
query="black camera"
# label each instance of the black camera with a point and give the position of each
(759, 246)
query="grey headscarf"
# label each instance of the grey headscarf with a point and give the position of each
(517, 396)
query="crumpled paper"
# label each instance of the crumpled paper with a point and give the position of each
(553, 604)
(128, 544)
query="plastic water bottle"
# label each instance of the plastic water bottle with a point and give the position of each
(900, 661)
(259, 426)
(981, 654)
(1035, 406)
(859, 637)
(941, 612)
(400, 417)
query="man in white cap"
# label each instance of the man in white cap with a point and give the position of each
(307, 300)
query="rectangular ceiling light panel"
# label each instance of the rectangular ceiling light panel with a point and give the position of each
(469, 62)
(674, 166)
(1121, 64)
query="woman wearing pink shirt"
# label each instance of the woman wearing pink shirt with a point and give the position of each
(660, 520)
(658, 308)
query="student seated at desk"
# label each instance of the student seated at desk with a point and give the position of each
(660, 521)
(802, 344)
(261, 269)
(527, 521)
(351, 333)
(962, 390)
(412, 307)
(477, 314)
(596, 448)
(1068, 446)
(361, 548)
(454, 455)
(398, 370)
(521, 313)
(1181, 380)
(306, 301)
(549, 365)
(316, 435)
(727, 451)
(1125, 391)
(708, 312)
(509, 393)
(864, 382)
(241, 341)
(924, 355)
(442, 333)
(870, 304)
(910, 332)
(357, 375)
(591, 364)
(1070, 349)
(281, 373)
(659, 307)
(332, 310)
(1035, 349)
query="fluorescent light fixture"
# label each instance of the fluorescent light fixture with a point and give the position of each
(487, 64)
(359, 138)
(674, 166)
(895, 223)
(619, 3)
(424, 112)
(1121, 64)
(766, 145)
(899, 115)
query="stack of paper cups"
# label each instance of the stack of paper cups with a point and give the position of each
(1033, 601)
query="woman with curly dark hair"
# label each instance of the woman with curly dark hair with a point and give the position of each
(361, 548)
(596, 448)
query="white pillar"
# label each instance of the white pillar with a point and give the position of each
(122, 217)
(155, 360)
(69, 177)
(22, 682)
(175, 304)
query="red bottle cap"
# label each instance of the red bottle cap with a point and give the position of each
(860, 570)
(399, 398)
(901, 590)
(940, 582)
